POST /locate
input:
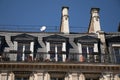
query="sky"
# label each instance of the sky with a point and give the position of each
(33, 14)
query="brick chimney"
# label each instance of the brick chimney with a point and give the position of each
(64, 26)
(94, 24)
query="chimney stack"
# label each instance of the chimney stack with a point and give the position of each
(64, 26)
(94, 25)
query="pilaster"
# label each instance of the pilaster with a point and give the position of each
(107, 76)
(116, 77)
(4, 76)
(46, 76)
(11, 76)
(81, 77)
(104, 50)
(74, 76)
(37, 76)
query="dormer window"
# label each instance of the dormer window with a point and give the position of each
(56, 47)
(24, 46)
(88, 49)
(2, 41)
(114, 48)
(2, 45)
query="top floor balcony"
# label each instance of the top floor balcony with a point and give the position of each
(59, 62)
(60, 57)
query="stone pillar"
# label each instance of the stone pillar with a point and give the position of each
(4, 76)
(31, 77)
(66, 77)
(48, 49)
(96, 47)
(107, 76)
(32, 49)
(81, 77)
(116, 77)
(40, 76)
(0, 75)
(103, 46)
(74, 76)
(37, 76)
(48, 46)
(11, 76)
(64, 46)
(46, 76)
(80, 56)
(15, 45)
(64, 50)
(101, 36)
(69, 76)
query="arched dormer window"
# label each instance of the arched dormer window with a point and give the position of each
(88, 48)
(56, 47)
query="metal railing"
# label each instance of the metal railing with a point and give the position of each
(61, 57)
(36, 28)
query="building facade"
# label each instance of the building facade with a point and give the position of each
(93, 55)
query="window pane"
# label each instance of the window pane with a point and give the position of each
(52, 47)
(57, 79)
(84, 51)
(90, 48)
(20, 50)
(27, 47)
(20, 47)
(21, 79)
(117, 54)
(56, 56)
(87, 51)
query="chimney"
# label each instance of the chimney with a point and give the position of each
(64, 26)
(94, 24)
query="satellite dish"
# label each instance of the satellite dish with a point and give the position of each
(43, 28)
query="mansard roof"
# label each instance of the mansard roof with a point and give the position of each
(55, 38)
(113, 39)
(2, 38)
(86, 39)
(23, 37)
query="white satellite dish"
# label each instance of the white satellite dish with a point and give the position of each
(43, 28)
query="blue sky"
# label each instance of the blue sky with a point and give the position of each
(33, 14)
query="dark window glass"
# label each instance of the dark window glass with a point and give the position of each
(52, 47)
(117, 54)
(53, 54)
(26, 47)
(87, 52)
(0, 46)
(90, 49)
(84, 51)
(20, 47)
(21, 79)
(57, 79)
